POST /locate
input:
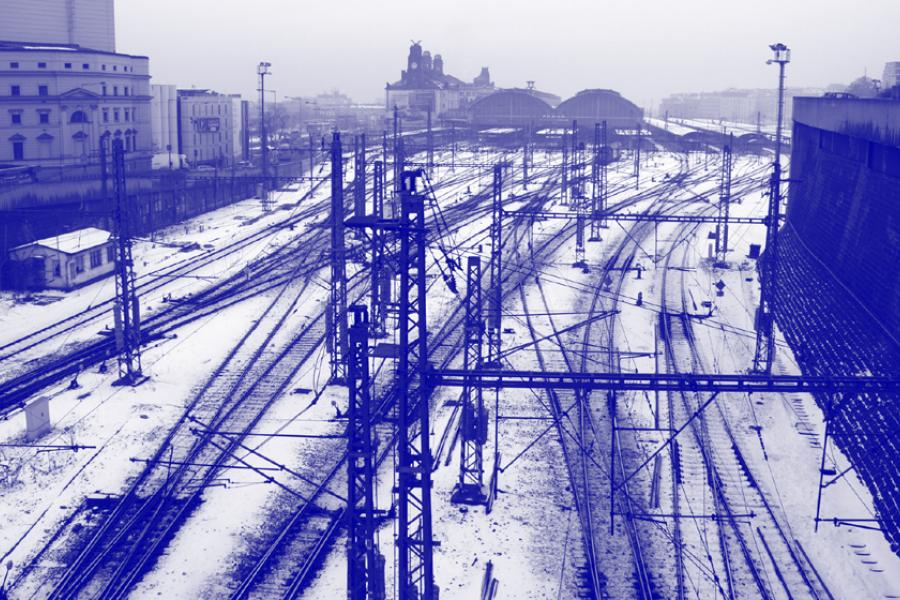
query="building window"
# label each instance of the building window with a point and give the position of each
(79, 263)
(42, 65)
(115, 90)
(15, 90)
(126, 90)
(96, 258)
(116, 115)
(104, 89)
(115, 68)
(16, 118)
(127, 115)
(68, 65)
(18, 150)
(56, 270)
(103, 67)
(79, 116)
(44, 117)
(13, 65)
(86, 66)
(110, 254)
(43, 90)
(106, 115)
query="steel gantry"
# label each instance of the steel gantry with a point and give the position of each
(564, 190)
(599, 180)
(637, 155)
(666, 382)
(414, 535)
(337, 314)
(495, 295)
(579, 198)
(414, 541)
(380, 283)
(724, 201)
(126, 312)
(365, 563)
(359, 174)
(473, 421)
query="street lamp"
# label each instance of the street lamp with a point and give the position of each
(781, 58)
(262, 70)
(765, 332)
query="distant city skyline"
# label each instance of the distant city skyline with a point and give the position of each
(645, 51)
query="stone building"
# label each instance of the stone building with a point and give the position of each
(424, 86)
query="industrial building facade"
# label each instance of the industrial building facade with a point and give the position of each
(206, 128)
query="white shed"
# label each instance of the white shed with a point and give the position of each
(66, 261)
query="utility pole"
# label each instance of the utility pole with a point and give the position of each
(765, 314)
(312, 159)
(452, 146)
(365, 563)
(126, 312)
(104, 167)
(474, 420)
(380, 283)
(637, 157)
(599, 180)
(724, 202)
(262, 70)
(525, 144)
(337, 322)
(495, 298)
(565, 167)
(430, 142)
(579, 199)
(359, 176)
(398, 159)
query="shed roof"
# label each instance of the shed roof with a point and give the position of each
(73, 242)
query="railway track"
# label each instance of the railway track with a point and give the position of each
(263, 275)
(588, 431)
(121, 549)
(748, 544)
(279, 572)
(151, 516)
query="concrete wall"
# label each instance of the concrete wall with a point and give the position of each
(844, 199)
(874, 119)
(88, 23)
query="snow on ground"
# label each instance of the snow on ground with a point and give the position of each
(532, 536)
(153, 258)
(121, 422)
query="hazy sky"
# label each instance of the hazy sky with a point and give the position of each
(645, 49)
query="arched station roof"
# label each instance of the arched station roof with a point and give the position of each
(509, 107)
(598, 105)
